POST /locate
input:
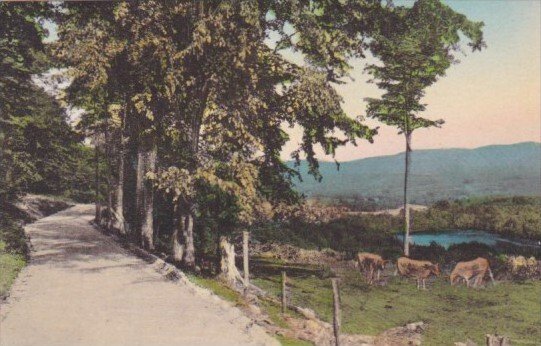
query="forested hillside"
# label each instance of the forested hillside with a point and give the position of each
(518, 217)
(497, 170)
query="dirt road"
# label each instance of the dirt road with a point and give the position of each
(81, 288)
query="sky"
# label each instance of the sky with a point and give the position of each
(490, 97)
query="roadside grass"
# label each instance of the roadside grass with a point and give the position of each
(453, 313)
(292, 342)
(218, 288)
(14, 251)
(10, 266)
(234, 297)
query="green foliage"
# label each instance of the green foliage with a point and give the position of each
(376, 233)
(10, 266)
(79, 181)
(201, 86)
(20, 56)
(12, 236)
(372, 233)
(42, 154)
(13, 250)
(39, 151)
(415, 47)
(21, 53)
(198, 82)
(218, 288)
(510, 216)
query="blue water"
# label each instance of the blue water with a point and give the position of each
(448, 238)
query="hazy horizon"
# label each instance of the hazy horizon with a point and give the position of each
(325, 158)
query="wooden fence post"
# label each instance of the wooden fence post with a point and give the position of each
(336, 311)
(284, 297)
(245, 240)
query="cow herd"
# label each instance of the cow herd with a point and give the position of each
(471, 272)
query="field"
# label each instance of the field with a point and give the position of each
(452, 313)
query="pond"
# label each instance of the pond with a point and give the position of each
(448, 238)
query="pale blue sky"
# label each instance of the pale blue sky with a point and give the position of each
(491, 97)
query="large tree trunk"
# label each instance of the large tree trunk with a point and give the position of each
(109, 220)
(178, 237)
(139, 189)
(97, 217)
(119, 210)
(228, 271)
(406, 197)
(147, 220)
(110, 216)
(189, 255)
(122, 151)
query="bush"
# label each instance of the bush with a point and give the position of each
(371, 233)
(12, 235)
(511, 216)
(433, 252)
(469, 251)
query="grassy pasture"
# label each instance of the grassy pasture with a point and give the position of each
(453, 313)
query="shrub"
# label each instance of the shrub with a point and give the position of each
(13, 236)
(468, 251)
(433, 252)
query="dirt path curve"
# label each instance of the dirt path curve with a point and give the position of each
(81, 288)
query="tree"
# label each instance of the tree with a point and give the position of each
(208, 97)
(415, 46)
(21, 55)
(40, 152)
(93, 46)
(234, 107)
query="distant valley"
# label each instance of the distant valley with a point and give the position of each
(436, 174)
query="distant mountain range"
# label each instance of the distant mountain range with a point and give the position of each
(436, 174)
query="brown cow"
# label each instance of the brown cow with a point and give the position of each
(370, 263)
(421, 270)
(475, 269)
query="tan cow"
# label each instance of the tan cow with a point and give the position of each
(421, 270)
(476, 269)
(369, 263)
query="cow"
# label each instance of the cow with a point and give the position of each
(421, 270)
(476, 269)
(369, 263)
(516, 263)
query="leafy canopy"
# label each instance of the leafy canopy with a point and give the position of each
(416, 46)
